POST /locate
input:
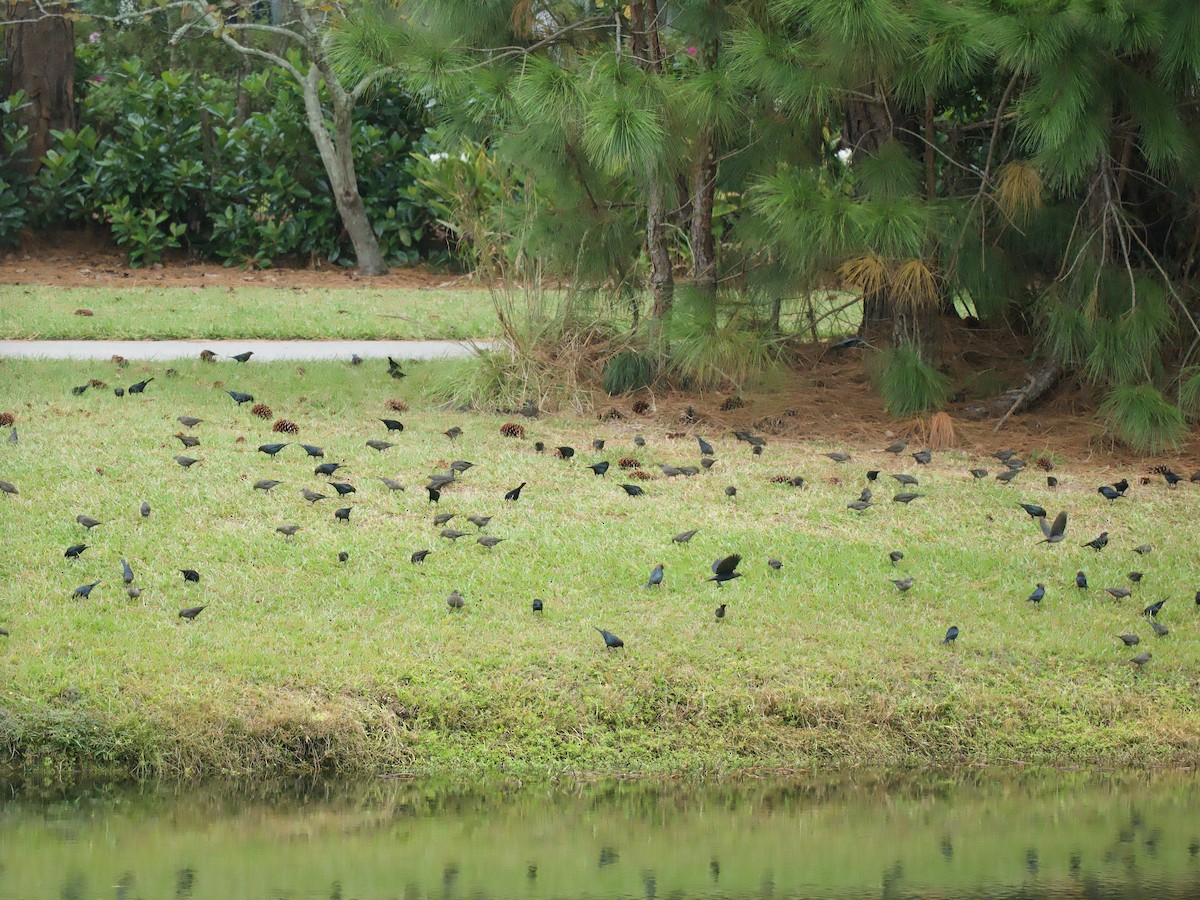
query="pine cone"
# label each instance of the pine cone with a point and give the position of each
(629, 462)
(612, 415)
(285, 426)
(397, 406)
(207, 356)
(97, 383)
(641, 407)
(6, 419)
(732, 403)
(781, 479)
(640, 475)
(512, 430)
(1159, 470)
(262, 411)
(1044, 463)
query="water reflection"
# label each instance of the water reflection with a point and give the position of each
(983, 834)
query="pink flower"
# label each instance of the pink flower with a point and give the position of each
(93, 37)
(692, 51)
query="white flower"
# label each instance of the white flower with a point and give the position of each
(844, 155)
(437, 157)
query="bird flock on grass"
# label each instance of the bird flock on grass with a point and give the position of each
(724, 570)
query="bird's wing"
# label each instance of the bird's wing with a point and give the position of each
(1059, 527)
(727, 565)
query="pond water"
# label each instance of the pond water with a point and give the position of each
(980, 834)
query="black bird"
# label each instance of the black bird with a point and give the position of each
(133, 592)
(720, 612)
(1081, 580)
(1109, 493)
(537, 605)
(78, 390)
(538, 446)
(452, 534)
(288, 530)
(565, 452)
(684, 536)
(479, 522)
(854, 342)
(1035, 512)
(597, 444)
(443, 518)
(139, 387)
(455, 600)
(951, 635)
(1170, 477)
(530, 409)
(461, 465)
(1197, 598)
(343, 513)
(1159, 628)
(3, 632)
(419, 556)
(906, 497)
(515, 493)
(1141, 659)
(708, 462)
(726, 569)
(838, 457)
(311, 496)
(860, 505)
(896, 448)
(355, 359)
(1129, 640)
(394, 369)
(191, 612)
(343, 555)
(979, 473)
(453, 433)
(186, 461)
(391, 483)
(775, 564)
(342, 488)
(1143, 549)
(902, 584)
(190, 575)
(1135, 577)
(241, 398)
(1154, 609)
(731, 492)
(74, 551)
(1122, 485)
(434, 495)
(379, 445)
(1119, 593)
(1051, 482)
(1056, 532)
(313, 450)
(895, 556)
(144, 509)
(656, 576)
(706, 449)
(1008, 476)
(599, 468)
(633, 490)
(440, 481)
(393, 424)
(907, 480)
(1004, 455)
(188, 440)
(327, 468)
(126, 572)
(243, 357)
(488, 540)
(610, 640)
(639, 441)
(1038, 594)
(1098, 543)
(84, 589)
(266, 484)
(923, 457)
(88, 522)
(189, 421)
(669, 471)
(872, 474)
(270, 449)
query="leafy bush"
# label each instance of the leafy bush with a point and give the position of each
(165, 161)
(15, 185)
(627, 371)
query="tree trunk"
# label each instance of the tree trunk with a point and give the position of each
(41, 62)
(648, 52)
(1037, 385)
(338, 158)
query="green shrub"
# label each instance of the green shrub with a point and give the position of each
(909, 384)
(1143, 418)
(628, 371)
(15, 186)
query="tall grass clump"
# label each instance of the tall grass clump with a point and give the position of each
(908, 383)
(628, 370)
(705, 352)
(1143, 418)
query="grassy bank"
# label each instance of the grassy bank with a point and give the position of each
(301, 663)
(213, 313)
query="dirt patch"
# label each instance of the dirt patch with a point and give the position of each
(79, 260)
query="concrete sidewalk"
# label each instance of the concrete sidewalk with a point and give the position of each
(264, 351)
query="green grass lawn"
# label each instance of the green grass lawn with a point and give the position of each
(214, 313)
(303, 663)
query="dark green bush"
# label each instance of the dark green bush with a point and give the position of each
(627, 371)
(165, 161)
